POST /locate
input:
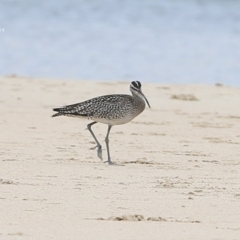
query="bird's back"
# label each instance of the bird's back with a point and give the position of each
(110, 109)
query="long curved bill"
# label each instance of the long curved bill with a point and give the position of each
(145, 99)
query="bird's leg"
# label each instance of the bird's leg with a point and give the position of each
(99, 150)
(107, 144)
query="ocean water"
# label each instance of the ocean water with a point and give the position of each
(165, 41)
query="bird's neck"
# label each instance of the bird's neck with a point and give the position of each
(138, 101)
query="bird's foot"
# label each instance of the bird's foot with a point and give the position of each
(112, 163)
(99, 150)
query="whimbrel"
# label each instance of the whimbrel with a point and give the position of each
(112, 110)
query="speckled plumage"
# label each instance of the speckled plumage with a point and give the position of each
(109, 109)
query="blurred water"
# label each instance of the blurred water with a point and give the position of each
(171, 41)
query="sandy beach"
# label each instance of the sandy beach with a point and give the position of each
(179, 164)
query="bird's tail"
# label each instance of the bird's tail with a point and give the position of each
(60, 112)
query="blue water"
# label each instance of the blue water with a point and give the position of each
(165, 41)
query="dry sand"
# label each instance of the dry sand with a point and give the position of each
(181, 173)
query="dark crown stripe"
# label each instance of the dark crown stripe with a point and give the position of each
(136, 84)
(139, 84)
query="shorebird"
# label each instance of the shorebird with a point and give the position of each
(112, 110)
